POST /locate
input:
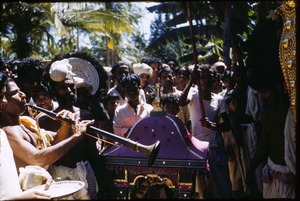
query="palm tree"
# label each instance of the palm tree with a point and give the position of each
(107, 21)
(24, 25)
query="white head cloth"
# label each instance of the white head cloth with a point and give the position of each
(141, 68)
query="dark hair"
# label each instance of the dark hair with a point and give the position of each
(165, 69)
(171, 59)
(117, 65)
(110, 96)
(170, 98)
(5, 63)
(145, 60)
(233, 94)
(27, 66)
(228, 74)
(151, 60)
(149, 86)
(185, 68)
(151, 97)
(4, 79)
(42, 87)
(130, 80)
(207, 67)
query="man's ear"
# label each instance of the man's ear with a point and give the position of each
(3, 101)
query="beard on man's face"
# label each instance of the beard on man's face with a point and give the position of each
(67, 99)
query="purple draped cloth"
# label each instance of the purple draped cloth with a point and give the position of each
(179, 149)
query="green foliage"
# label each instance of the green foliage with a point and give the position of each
(209, 26)
(42, 30)
(34, 35)
(24, 25)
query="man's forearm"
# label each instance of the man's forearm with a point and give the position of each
(183, 98)
(51, 154)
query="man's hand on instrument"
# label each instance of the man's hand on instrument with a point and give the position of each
(67, 113)
(99, 145)
(80, 126)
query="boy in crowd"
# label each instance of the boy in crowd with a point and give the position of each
(170, 103)
(120, 70)
(233, 143)
(182, 75)
(110, 102)
(135, 109)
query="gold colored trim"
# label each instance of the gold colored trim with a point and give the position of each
(287, 49)
(182, 183)
(163, 180)
(137, 177)
(123, 180)
(187, 184)
(84, 196)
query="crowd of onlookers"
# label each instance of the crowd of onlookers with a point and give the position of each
(243, 112)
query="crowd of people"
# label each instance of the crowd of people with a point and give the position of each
(243, 112)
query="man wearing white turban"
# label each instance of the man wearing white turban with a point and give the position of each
(144, 71)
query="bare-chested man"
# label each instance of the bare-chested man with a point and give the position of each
(25, 143)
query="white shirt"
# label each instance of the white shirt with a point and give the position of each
(125, 116)
(123, 101)
(9, 180)
(212, 109)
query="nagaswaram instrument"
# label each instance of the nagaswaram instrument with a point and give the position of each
(150, 151)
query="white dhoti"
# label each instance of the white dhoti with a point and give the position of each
(275, 184)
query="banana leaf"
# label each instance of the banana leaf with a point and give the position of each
(181, 34)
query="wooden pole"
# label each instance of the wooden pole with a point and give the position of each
(195, 59)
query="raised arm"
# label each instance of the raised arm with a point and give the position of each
(183, 98)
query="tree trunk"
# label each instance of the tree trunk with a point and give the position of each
(108, 53)
(22, 46)
(227, 34)
(78, 38)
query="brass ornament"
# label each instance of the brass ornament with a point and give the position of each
(291, 4)
(288, 25)
(287, 49)
(285, 43)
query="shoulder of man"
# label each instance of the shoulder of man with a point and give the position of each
(122, 107)
(12, 130)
